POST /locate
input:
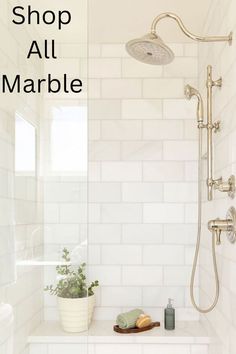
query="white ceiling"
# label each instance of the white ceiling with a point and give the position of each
(116, 21)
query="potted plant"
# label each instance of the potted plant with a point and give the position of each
(76, 299)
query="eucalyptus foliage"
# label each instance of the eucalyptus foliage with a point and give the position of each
(72, 282)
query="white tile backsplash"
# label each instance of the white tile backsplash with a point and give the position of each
(72, 213)
(187, 65)
(142, 109)
(153, 296)
(104, 109)
(121, 296)
(134, 69)
(94, 130)
(163, 254)
(121, 213)
(104, 233)
(121, 171)
(121, 130)
(104, 67)
(145, 276)
(94, 88)
(121, 88)
(143, 154)
(51, 213)
(177, 275)
(142, 233)
(180, 192)
(141, 150)
(121, 254)
(162, 88)
(113, 50)
(179, 109)
(163, 130)
(163, 171)
(160, 213)
(180, 150)
(146, 192)
(104, 151)
(108, 276)
(104, 192)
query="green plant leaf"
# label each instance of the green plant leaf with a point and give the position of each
(73, 282)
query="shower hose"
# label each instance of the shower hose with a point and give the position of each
(199, 230)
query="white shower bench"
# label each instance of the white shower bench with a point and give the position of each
(188, 338)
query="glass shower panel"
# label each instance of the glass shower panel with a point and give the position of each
(63, 149)
(43, 150)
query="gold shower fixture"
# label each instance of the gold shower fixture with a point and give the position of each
(227, 225)
(216, 226)
(151, 49)
(219, 184)
(187, 32)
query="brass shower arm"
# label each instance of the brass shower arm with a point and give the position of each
(188, 33)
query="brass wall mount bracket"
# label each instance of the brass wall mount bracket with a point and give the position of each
(216, 126)
(213, 126)
(217, 83)
(195, 37)
(228, 186)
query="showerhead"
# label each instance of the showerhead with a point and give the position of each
(150, 49)
(189, 92)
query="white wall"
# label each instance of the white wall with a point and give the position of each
(142, 187)
(221, 20)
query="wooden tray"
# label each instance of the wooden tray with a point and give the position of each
(136, 329)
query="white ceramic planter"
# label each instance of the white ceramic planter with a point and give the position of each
(76, 314)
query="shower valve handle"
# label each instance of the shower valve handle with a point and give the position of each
(217, 234)
(228, 225)
(217, 226)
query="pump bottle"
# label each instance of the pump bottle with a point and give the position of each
(169, 316)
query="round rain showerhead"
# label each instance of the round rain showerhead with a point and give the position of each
(150, 49)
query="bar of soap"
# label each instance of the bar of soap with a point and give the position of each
(143, 321)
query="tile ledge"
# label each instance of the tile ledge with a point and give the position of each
(102, 332)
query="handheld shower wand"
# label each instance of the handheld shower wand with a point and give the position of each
(189, 93)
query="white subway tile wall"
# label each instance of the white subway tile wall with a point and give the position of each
(142, 178)
(221, 18)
